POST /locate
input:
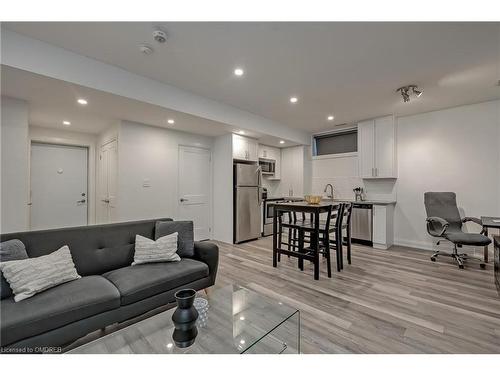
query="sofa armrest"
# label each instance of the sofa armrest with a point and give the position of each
(208, 252)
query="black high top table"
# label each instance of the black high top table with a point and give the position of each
(316, 210)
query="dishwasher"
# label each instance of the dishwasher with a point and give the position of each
(362, 224)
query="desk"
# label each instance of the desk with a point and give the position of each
(488, 222)
(316, 210)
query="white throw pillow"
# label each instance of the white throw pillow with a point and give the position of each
(164, 249)
(33, 275)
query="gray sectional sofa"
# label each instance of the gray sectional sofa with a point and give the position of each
(110, 290)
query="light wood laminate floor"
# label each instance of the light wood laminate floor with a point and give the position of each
(387, 301)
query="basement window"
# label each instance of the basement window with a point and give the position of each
(335, 143)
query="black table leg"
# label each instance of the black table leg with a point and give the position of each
(316, 245)
(485, 251)
(275, 237)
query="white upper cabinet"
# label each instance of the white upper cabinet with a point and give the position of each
(245, 148)
(377, 148)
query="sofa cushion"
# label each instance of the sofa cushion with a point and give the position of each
(10, 250)
(145, 280)
(185, 243)
(56, 307)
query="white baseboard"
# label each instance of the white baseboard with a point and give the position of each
(444, 246)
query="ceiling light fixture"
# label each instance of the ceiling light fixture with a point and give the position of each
(171, 121)
(293, 99)
(239, 72)
(67, 123)
(330, 118)
(405, 92)
(282, 142)
(82, 101)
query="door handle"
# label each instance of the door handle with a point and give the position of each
(183, 200)
(81, 201)
(105, 200)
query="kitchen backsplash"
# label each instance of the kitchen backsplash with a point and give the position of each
(342, 173)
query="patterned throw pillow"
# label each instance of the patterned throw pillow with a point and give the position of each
(164, 249)
(29, 276)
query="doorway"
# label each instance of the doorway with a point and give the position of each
(58, 186)
(195, 188)
(108, 173)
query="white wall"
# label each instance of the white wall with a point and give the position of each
(66, 137)
(147, 152)
(14, 164)
(223, 188)
(455, 149)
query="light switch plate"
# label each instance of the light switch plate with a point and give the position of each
(146, 182)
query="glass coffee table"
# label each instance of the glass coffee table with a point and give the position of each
(238, 320)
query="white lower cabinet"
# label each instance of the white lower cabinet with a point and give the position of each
(383, 226)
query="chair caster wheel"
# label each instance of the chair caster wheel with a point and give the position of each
(483, 266)
(433, 259)
(461, 266)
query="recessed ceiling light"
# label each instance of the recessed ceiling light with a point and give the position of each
(242, 132)
(239, 72)
(282, 142)
(170, 345)
(171, 121)
(82, 101)
(330, 118)
(67, 123)
(242, 318)
(293, 99)
(242, 342)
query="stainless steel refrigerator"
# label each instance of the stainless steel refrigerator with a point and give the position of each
(247, 202)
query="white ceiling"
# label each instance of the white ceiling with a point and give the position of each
(348, 69)
(52, 101)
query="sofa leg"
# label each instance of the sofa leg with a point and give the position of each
(207, 291)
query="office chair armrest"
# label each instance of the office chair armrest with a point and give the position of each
(444, 224)
(473, 219)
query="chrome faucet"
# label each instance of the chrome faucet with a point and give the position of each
(331, 189)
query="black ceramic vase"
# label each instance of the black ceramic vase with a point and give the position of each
(184, 318)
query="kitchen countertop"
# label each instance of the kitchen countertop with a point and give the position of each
(367, 201)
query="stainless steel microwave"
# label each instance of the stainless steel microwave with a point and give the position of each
(267, 166)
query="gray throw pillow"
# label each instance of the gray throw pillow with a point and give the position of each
(10, 250)
(185, 244)
(164, 249)
(29, 276)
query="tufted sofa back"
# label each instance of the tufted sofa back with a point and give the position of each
(95, 248)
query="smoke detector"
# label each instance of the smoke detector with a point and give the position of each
(160, 36)
(146, 49)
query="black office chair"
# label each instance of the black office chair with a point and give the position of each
(444, 221)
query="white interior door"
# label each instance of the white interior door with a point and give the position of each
(195, 189)
(58, 186)
(108, 173)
